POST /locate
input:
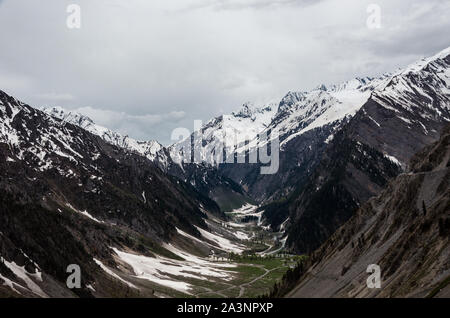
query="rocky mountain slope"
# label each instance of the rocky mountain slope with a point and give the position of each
(69, 197)
(73, 192)
(150, 149)
(403, 114)
(405, 230)
(204, 178)
(305, 122)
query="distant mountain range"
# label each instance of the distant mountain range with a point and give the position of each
(74, 191)
(149, 149)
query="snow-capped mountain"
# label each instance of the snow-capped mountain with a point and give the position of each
(419, 95)
(150, 149)
(295, 114)
(299, 112)
(404, 113)
(203, 178)
(49, 146)
(417, 99)
(227, 132)
(75, 192)
(305, 122)
(41, 148)
(69, 197)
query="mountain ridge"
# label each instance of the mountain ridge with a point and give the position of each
(404, 230)
(388, 126)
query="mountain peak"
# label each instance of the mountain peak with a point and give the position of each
(149, 149)
(249, 110)
(424, 62)
(246, 111)
(321, 87)
(69, 116)
(290, 99)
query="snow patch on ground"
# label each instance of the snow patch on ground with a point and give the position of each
(85, 213)
(158, 269)
(90, 287)
(222, 242)
(329, 138)
(22, 273)
(111, 273)
(393, 159)
(9, 283)
(242, 236)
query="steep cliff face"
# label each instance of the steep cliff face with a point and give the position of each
(405, 230)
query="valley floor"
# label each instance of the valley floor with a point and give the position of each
(243, 259)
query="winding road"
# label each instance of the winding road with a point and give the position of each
(241, 286)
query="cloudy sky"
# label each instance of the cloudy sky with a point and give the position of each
(145, 67)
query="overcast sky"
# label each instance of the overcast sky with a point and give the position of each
(145, 67)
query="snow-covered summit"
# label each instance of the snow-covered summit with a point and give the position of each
(421, 88)
(299, 112)
(249, 110)
(325, 106)
(149, 149)
(424, 62)
(290, 99)
(227, 132)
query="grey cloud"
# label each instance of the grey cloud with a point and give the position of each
(246, 4)
(138, 126)
(420, 31)
(55, 97)
(200, 57)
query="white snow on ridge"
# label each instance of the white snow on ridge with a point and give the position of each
(193, 238)
(249, 210)
(418, 66)
(283, 225)
(170, 272)
(325, 106)
(329, 139)
(410, 87)
(149, 149)
(226, 132)
(246, 209)
(376, 123)
(233, 224)
(297, 113)
(50, 140)
(300, 112)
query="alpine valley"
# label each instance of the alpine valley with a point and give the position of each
(363, 178)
